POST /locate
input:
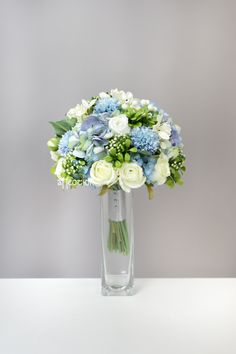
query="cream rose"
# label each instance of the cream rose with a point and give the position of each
(102, 173)
(161, 170)
(119, 125)
(131, 176)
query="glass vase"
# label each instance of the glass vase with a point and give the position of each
(117, 243)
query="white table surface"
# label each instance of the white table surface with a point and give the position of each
(165, 316)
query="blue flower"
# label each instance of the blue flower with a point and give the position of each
(63, 147)
(145, 139)
(92, 138)
(106, 105)
(147, 163)
(175, 138)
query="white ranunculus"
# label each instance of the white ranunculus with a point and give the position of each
(161, 170)
(102, 173)
(119, 125)
(131, 176)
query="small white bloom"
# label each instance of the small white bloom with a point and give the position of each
(165, 144)
(80, 109)
(152, 108)
(135, 103)
(103, 95)
(122, 97)
(98, 149)
(102, 173)
(119, 125)
(161, 170)
(173, 152)
(144, 102)
(54, 155)
(131, 176)
(59, 169)
(163, 129)
(73, 140)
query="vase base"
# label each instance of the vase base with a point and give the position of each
(115, 291)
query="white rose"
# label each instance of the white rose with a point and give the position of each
(161, 170)
(102, 173)
(131, 176)
(119, 125)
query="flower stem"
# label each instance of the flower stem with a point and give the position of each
(118, 239)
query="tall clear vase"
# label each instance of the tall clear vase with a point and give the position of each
(117, 243)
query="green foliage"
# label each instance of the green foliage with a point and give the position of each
(141, 116)
(119, 150)
(53, 144)
(176, 170)
(73, 170)
(62, 126)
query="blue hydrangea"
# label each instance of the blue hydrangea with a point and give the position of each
(147, 163)
(106, 105)
(63, 147)
(145, 139)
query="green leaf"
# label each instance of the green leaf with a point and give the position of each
(62, 126)
(108, 159)
(118, 164)
(120, 157)
(180, 182)
(127, 157)
(133, 149)
(53, 169)
(127, 143)
(112, 151)
(183, 168)
(170, 183)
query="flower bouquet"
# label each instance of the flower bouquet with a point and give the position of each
(117, 143)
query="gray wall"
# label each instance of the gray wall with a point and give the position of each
(180, 54)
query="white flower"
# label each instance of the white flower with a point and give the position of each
(122, 97)
(163, 129)
(103, 95)
(173, 152)
(119, 125)
(80, 109)
(131, 176)
(161, 170)
(144, 102)
(54, 155)
(102, 173)
(59, 169)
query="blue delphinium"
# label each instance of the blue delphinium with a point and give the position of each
(63, 147)
(175, 138)
(147, 163)
(145, 139)
(106, 105)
